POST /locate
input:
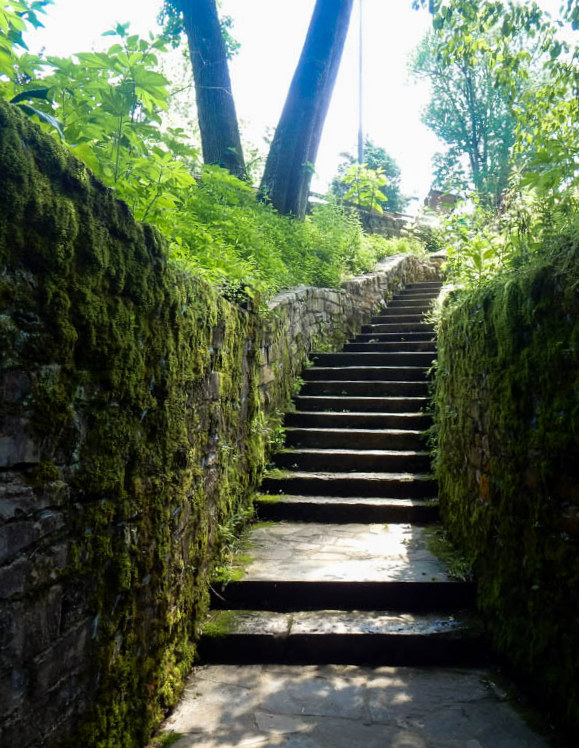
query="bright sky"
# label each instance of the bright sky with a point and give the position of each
(271, 33)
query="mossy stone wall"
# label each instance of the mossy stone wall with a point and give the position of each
(507, 424)
(135, 412)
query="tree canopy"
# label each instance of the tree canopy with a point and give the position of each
(375, 157)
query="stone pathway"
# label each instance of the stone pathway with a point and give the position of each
(341, 577)
(344, 706)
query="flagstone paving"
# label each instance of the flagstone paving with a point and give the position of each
(347, 552)
(346, 707)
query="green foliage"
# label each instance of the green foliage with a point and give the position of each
(171, 20)
(456, 562)
(535, 70)
(517, 50)
(231, 238)
(165, 740)
(375, 159)
(363, 187)
(469, 112)
(426, 231)
(481, 243)
(107, 107)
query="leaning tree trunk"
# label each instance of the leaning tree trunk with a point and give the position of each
(220, 140)
(293, 152)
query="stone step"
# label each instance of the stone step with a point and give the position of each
(366, 373)
(360, 404)
(312, 420)
(396, 317)
(348, 460)
(399, 327)
(409, 302)
(327, 483)
(316, 561)
(355, 438)
(368, 358)
(396, 310)
(340, 509)
(400, 346)
(429, 286)
(425, 296)
(427, 596)
(395, 337)
(340, 637)
(375, 388)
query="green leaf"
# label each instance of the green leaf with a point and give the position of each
(43, 117)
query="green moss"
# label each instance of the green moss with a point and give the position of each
(144, 389)
(457, 564)
(265, 498)
(42, 474)
(147, 402)
(220, 623)
(506, 427)
(165, 740)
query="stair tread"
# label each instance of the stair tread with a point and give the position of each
(310, 552)
(355, 432)
(374, 416)
(341, 500)
(356, 452)
(375, 404)
(374, 476)
(320, 623)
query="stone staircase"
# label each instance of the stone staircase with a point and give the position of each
(340, 570)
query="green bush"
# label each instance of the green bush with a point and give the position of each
(107, 107)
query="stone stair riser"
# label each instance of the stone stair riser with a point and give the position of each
(343, 462)
(312, 421)
(354, 439)
(366, 373)
(325, 595)
(420, 346)
(350, 485)
(442, 650)
(347, 512)
(395, 337)
(364, 388)
(369, 358)
(365, 403)
(399, 327)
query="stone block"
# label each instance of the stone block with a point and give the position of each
(15, 536)
(14, 688)
(68, 653)
(13, 576)
(17, 447)
(15, 386)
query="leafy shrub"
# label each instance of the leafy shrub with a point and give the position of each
(106, 107)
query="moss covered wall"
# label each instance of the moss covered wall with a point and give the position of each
(134, 415)
(507, 422)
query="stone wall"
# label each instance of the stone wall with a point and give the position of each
(386, 224)
(507, 425)
(305, 318)
(135, 419)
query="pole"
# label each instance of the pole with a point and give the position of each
(360, 86)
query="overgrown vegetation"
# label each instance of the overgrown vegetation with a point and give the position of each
(384, 189)
(507, 425)
(507, 392)
(107, 109)
(525, 198)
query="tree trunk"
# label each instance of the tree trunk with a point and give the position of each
(220, 138)
(293, 152)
